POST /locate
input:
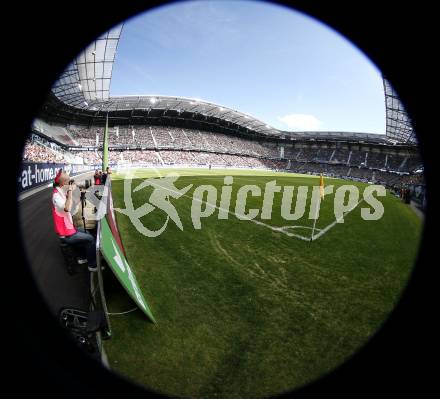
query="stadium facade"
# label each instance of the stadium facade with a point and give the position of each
(74, 116)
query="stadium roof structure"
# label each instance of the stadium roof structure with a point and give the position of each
(84, 87)
(337, 135)
(88, 76)
(82, 96)
(398, 123)
(180, 106)
(157, 110)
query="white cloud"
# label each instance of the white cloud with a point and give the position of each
(301, 121)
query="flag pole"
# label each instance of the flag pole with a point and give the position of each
(105, 146)
(316, 217)
(321, 196)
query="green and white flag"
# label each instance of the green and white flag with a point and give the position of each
(119, 265)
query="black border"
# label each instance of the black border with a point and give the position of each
(39, 42)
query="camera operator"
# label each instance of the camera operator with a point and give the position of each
(105, 174)
(97, 178)
(63, 222)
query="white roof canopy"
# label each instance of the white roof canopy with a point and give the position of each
(88, 77)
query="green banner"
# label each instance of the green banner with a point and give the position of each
(119, 265)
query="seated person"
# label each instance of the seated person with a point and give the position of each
(63, 222)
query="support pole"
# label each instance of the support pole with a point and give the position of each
(101, 282)
(105, 146)
(316, 217)
(321, 196)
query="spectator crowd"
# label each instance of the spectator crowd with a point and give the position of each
(36, 152)
(162, 146)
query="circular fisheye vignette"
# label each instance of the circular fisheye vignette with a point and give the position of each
(272, 276)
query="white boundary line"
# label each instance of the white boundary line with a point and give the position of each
(273, 228)
(282, 229)
(327, 228)
(278, 229)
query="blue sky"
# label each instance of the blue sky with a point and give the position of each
(278, 65)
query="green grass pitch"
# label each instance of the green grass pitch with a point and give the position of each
(245, 311)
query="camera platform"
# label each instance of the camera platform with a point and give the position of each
(82, 326)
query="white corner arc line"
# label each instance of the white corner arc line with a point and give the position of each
(327, 228)
(277, 229)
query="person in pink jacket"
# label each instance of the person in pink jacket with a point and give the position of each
(63, 222)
